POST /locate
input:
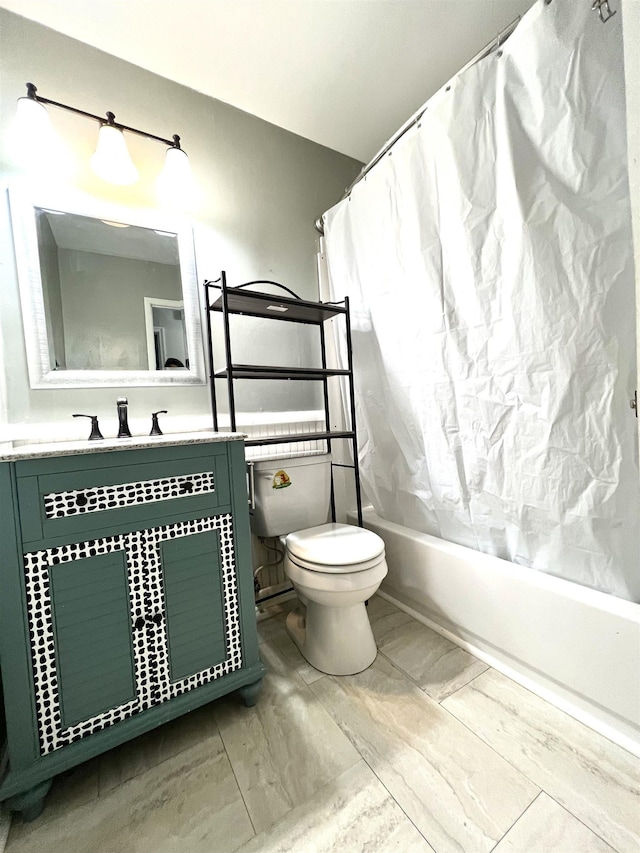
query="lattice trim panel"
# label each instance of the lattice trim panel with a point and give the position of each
(100, 498)
(151, 653)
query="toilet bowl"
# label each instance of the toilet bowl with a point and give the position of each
(335, 569)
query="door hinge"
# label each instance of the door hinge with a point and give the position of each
(633, 402)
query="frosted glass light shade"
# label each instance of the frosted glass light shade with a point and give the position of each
(34, 144)
(111, 160)
(175, 182)
(33, 119)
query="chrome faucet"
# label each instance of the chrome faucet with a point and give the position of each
(123, 426)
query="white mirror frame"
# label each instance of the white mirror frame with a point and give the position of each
(25, 237)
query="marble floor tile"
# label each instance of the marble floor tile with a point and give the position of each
(597, 781)
(457, 791)
(546, 827)
(379, 607)
(190, 802)
(286, 747)
(436, 664)
(271, 620)
(352, 814)
(135, 756)
(289, 651)
(385, 618)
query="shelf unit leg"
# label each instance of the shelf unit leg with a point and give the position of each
(352, 406)
(212, 381)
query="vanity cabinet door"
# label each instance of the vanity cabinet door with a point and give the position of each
(196, 620)
(88, 650)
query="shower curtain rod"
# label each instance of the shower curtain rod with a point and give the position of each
(494, 44)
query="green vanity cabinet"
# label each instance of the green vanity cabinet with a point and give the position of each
(126, 598)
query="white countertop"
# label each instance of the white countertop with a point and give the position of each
(14, 451)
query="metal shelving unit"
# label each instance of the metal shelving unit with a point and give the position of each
(289, 309)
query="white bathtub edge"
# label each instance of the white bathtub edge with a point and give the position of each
(577, 648)
(537, 686)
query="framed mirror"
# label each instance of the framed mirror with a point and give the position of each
(109, 295)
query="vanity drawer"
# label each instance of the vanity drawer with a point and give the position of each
(56, 503)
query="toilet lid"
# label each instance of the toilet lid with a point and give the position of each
(335, 545)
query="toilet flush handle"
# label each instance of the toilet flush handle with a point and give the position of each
(252, 485)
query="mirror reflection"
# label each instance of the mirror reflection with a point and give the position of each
(112, 294)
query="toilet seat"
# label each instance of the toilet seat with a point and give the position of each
(335, 548)
(341, 569)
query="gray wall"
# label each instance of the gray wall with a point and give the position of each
(260, 190)
(103, 307)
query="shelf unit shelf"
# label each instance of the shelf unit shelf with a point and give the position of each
(258, 371)
(298, 436)
(255, 304)
(252, 303)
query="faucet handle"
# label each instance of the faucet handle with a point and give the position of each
(155, 426)
(95, 429)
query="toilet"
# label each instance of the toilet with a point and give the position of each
(334, 568)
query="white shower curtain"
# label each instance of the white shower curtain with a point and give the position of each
(489, 264)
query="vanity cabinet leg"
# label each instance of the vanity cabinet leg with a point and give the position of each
(30, 803)
(249, 693)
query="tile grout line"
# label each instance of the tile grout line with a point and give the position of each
(519, 818)
(522, 772)
(421, 834)
(498, 753)
(244, 802)
(363, 758)
(469, 729)
(419, 686)
(581, 822)
(564, 809)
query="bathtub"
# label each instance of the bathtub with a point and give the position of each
(575, 647)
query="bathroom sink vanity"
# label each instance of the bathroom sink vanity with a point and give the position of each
(126, 596)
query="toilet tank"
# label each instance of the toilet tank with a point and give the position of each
(291, 494)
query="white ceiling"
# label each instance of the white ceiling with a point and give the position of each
(344, 73)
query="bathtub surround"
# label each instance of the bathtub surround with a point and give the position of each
(325, 764)
(489, 264)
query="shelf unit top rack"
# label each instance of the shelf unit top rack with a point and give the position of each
(251, 303)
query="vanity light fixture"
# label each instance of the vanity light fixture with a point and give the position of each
(111, 160)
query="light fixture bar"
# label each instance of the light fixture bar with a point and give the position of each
(108, 119)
